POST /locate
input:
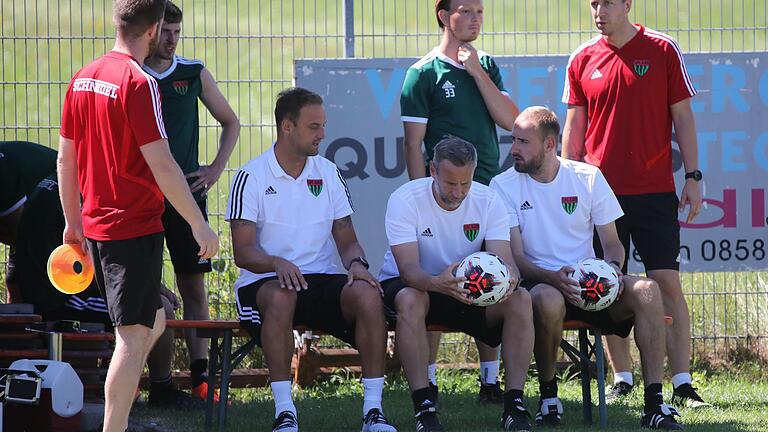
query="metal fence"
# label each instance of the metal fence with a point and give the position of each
(250, 45)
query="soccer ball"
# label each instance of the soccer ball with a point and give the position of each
(487, 278)
(599, 284)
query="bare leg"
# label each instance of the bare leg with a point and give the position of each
(434, 345)
(411, 335)
(277, 306)
(679, 333)
(161, 355)
(548, 316)
(618, 353)
(195, 302)
(362, 304)
(516, 316)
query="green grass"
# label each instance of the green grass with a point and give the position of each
(740, 401)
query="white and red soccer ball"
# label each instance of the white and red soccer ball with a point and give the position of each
(599, 284)
(487, 278)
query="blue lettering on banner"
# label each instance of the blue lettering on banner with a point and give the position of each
(727, 82)
(386, 97)
(694, 70)
(527, 89)
(731, 150)
(761, 151)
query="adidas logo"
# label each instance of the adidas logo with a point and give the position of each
(270, 191)
(448, 85)
(202, 261)
(526, 206)
(427, 233)
(596, 74)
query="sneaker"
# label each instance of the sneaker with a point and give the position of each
(517, 419)
(375, 421)
(619, 390)
(685, 395)
(201, 391)
(286, 422)
(490, 393)
(663, 417)
(172, 397)
(550, 410)
(426, 419)
(434, 395)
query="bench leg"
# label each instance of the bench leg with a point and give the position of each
(226, 370)
(213, 357)
(600, 360)
(586, 394)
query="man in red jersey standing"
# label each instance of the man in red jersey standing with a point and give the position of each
(625, 89)
(114, 151)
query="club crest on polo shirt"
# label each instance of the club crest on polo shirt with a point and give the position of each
(315, 186)
(642, 66)
(181, 87)
(569, 203)
(471, 231)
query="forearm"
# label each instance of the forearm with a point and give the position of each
(529, 270)
(414, 159)
(69, 188)
(229, 133)
(253, 259)
(413, 276)
(350, 252)
(614, 253)
(574, 133)
(172, 183)
(502, 109)
(685, 130)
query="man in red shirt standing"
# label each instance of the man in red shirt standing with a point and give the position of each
(625, 89)
(114, 151)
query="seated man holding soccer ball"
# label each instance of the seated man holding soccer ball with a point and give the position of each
(554, 206)
(433, 223)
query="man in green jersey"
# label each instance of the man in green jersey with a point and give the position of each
(457, 90)
(181, 83)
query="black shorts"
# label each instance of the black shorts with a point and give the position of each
(181, 243)
(600, 319)
(447, 312)
(128, 274)
(650, 221)
(318, 307)
(66, 313)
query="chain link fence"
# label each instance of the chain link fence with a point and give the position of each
(249, 46)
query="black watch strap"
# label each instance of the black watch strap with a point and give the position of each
(361, 260)
(695, 175)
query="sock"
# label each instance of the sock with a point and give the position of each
(161, 384)
(432, 373)
(198, 371)
(652, 396)
(548, 389)
(623, 377)
(680, 379)
(419, 396)
(512, 398)
(281, 391)
(372, 388)
(489, 372)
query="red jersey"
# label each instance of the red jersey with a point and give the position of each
(628, 92)
(111, 109)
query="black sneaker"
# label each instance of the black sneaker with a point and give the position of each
(662, 417)
(490, 393)
(286, 422)
(168, 396)
(434, 395)
(426, 419)
(550, 410)
(517, 419)
(685, 395)
(619, 390)
(375, 421)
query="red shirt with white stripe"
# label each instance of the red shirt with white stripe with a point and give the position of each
(628, 92)
(111, 109)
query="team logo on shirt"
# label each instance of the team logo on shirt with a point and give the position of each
(642, 66)
(450, 90)
(315, 186)
(471, 231)
(569, 203)
(181, 87)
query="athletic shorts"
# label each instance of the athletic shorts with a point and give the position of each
(600, 319)
(66, 313)
(650, 221)
(128, 274)
(446, 311)
(182, 244)
(318, 307)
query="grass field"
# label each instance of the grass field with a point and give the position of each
(740, 404)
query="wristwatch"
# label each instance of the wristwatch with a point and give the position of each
(361, 260)
(695, 175)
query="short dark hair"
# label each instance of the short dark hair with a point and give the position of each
(173, 14)
(291, 100)
(441, 5)
(133, 17)
(457, 151)
(545, 120)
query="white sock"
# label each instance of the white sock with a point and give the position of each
(489, 372)
(432, 373)
(281, 391)
(623, 377)
(372, 388)
(680, 379)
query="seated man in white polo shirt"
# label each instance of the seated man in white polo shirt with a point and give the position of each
(548, 236)
(432, 224)
(286, 209)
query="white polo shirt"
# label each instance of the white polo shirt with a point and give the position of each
(557, 219)
(444, 237)
(293, 217)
